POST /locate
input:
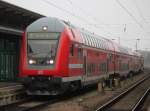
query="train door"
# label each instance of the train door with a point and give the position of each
(116, 63)
(85, 61)
(120, 69)
(108, 63)
(107, 70)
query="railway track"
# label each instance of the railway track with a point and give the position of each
(31, 104)
(127, 99)
(34, 104)
(139, 104)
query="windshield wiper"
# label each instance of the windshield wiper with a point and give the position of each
(47, 55)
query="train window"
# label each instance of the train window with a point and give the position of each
(41, 35)
(91, 68)
(91, 40)
(94, 67)
(107, 46)
(103, 67)
(102, 44)
(79, 52)
(86, 41)
(83, 39)
(72, 50)
(110, 57)
(98, 43)
(94, 43)
(89, 43)
(42, 45)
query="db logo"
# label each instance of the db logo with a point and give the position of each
(40, 72)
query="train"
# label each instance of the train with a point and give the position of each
(57, 56)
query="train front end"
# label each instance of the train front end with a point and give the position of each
(43, 61)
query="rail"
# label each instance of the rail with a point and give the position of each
(115, 99)
(140, 103)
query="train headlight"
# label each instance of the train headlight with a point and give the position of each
(45, 28)
(32, 61)
(50, 61)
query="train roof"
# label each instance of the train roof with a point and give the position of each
(87, 38)
(93, 40)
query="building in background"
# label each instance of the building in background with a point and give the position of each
(13, 21)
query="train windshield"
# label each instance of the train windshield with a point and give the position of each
(42, 45)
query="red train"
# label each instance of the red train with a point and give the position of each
(56, 56)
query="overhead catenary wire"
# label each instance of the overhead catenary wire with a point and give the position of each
(132, 16)
(99, 26)
(74, 15)
(94, 18)
(82, 10)
(66, 11)
(70, 2)
(140, 13)
(85, 12)
(95, 25)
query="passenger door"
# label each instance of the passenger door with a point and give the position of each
(85, 61)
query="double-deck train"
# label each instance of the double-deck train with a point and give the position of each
(57, 56)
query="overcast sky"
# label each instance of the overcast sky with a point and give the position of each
(125, 19)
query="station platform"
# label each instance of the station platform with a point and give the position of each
(11, 92)
(9, 84)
